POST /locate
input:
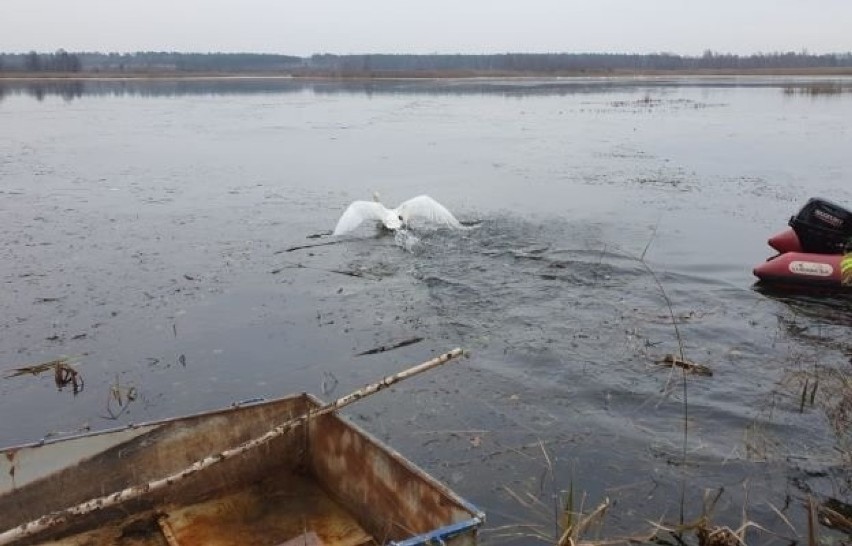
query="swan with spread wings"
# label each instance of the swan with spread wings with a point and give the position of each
(422, 211)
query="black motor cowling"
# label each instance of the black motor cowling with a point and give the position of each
(823, 227)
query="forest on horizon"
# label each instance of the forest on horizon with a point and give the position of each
(390, 64)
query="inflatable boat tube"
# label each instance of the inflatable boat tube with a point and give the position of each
(803, 269)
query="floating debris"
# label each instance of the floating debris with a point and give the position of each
(328, 383)
(672, 360)
(63, 373)
(338, 271)
(836, 514)
(300, 247)
(384, 348)
(35, 369)
(85, 427)
(121, 396)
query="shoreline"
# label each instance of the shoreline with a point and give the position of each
(416, 75)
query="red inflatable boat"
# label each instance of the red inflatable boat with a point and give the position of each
(811, 251)
(791, 268)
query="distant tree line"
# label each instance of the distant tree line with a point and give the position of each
(189, 62)
(388, 64)
(573, 62)
(147, 62)
(61, 61)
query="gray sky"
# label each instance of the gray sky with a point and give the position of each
(435, 26)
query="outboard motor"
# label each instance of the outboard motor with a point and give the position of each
(822, 226)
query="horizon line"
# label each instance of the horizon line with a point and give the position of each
(803, 52)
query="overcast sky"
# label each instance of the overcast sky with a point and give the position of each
(435, 26)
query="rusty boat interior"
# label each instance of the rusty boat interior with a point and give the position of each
(324, 482)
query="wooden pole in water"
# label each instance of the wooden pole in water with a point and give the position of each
(55, 519)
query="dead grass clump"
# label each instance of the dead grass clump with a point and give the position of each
(64, 374)
(119, 399)
(671, 360)
(818, 385)
(563, 524)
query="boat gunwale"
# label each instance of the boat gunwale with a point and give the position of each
(254, 402)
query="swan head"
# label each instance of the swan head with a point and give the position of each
(392, 220)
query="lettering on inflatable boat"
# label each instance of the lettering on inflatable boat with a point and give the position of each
(828, 218)
(813, 269)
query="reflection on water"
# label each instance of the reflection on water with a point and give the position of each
(822, 320)
(817, 89)
(69, 89)
(831, 305)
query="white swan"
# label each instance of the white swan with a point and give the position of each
(420, 209)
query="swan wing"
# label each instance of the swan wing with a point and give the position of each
(424, 208)
(357, 213)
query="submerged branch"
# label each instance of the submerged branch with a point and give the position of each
(312, 245)
(383, 348)
(338, 271)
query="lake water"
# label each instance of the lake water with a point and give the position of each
(145, 228)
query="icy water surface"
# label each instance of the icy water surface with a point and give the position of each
(146, 229)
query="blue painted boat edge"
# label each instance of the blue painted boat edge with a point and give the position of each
(438, 536)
